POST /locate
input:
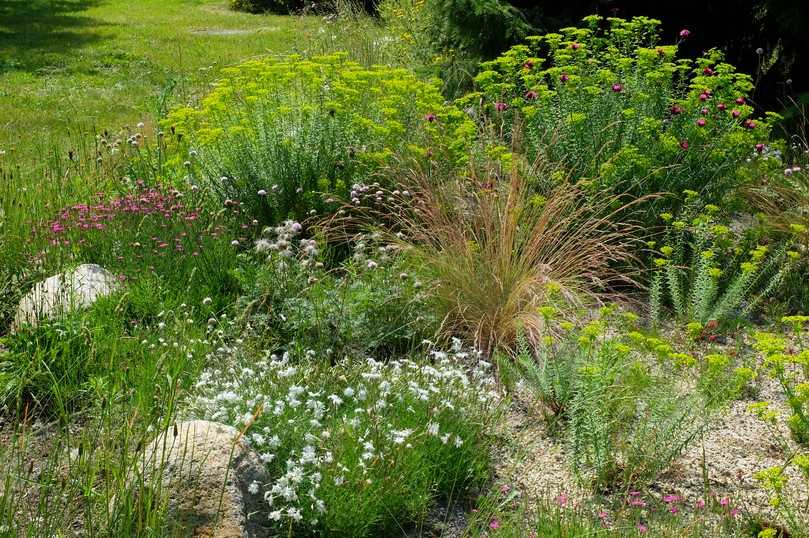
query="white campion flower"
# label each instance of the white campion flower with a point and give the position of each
(400, 436)
(432, 428)
(253, 488)
(308, 455)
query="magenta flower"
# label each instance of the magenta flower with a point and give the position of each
(701, 122)
(430, 117)
(531, 95)
(575, 46)
(642, 529)
(700, 504)
(562, 500)
(707, 71)
(494, 524)
(564, 78)
(617, 88)
(676, 109)
(673, 509)
(724, 501)
(721, 106)
(668, 499)
(750, 124)
(528, 65)
(500, 107)
(740, 100)
(684, 144)
(684, 33)
(505, 488)
(759, 147)
(736, 113)
(703, 96)
(704, 111)
(734, 512)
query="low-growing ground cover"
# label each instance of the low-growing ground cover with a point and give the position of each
(418, 315)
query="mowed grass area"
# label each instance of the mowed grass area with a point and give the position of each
(74, 67)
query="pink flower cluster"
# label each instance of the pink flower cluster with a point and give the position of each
(153, 222)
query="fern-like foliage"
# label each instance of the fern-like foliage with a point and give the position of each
(618, 402)
(704, 272)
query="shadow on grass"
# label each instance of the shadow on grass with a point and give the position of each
(39, 34)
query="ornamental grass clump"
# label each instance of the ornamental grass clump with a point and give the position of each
(496, 251)
(280, 136)
(617, 107)
(354, 450)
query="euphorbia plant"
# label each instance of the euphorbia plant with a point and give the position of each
(622, 111)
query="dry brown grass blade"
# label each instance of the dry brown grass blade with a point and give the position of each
(499, 252)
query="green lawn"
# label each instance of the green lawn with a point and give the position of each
(69, 66)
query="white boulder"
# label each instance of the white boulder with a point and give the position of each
(64, 292)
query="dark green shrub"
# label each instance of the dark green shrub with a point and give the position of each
(282, 7)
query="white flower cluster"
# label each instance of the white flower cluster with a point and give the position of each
(374, 192)
(325, 430)
(281, 240)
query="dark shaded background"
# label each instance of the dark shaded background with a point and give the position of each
(738, 27)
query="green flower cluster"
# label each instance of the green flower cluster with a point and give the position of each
(623, 111)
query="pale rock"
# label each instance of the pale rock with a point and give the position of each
(58, 294)
(205, 469)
